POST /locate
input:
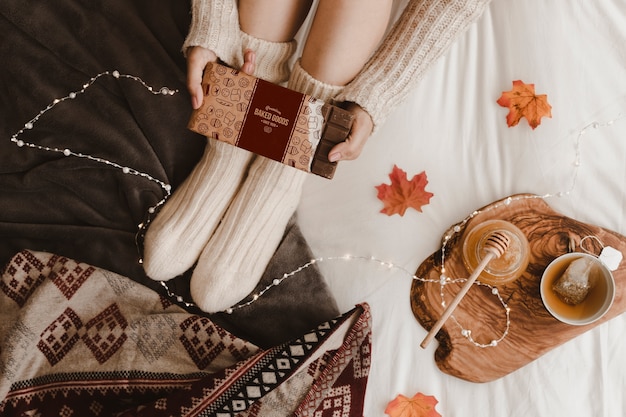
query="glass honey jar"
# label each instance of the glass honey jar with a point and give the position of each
(504, 269)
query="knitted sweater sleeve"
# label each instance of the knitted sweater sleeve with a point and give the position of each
(215, 26)
(421, 35)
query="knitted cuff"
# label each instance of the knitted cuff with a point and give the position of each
(304, 83)
(215, 26)
(272, 58)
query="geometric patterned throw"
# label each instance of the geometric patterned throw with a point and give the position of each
(76, 340)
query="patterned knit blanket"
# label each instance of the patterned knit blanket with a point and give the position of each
(76, 340)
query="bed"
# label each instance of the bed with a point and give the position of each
(69, 210)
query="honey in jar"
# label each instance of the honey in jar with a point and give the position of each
(504, 269)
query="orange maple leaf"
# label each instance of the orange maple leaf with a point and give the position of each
(523, 102)
(402, 193)
(419, 406)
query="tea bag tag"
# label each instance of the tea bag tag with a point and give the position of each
(611, 257)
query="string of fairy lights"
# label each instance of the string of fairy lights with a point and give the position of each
(443, 281)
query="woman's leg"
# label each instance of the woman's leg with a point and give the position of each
(180, 231)
(273, 20)
(343, 36)
(235, 258)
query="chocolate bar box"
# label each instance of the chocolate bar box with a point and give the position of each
(269, 120)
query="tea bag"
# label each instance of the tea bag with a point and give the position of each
(575, 283)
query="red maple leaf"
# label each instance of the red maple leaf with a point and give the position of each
(402, 193)
(419, 406)
(523, 102)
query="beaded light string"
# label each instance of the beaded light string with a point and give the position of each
(443, 281)
(163, 91)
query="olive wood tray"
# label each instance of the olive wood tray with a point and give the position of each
(533, 331)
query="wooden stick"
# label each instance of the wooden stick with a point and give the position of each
(495, 246)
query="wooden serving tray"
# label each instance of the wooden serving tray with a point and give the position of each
(533, 331)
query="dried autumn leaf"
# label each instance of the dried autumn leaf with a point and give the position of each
(402, 193)
(419, 406)
(523, 102)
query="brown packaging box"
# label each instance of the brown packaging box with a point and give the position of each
(269, 120)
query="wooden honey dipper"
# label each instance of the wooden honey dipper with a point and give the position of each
(495, 245)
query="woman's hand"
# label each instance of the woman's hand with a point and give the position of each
(362, 127)
(197, 59)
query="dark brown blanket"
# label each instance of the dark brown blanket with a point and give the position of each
(88, 211)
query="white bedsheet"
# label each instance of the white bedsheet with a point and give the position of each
(451, 127)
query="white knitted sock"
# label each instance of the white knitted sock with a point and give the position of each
(236, 256)
(272, 58)
(300, 80)
(183, 226)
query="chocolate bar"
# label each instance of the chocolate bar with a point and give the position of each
(272, 121)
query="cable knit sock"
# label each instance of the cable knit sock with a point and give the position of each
(181, 229)
(272, 58)
(237, 254)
